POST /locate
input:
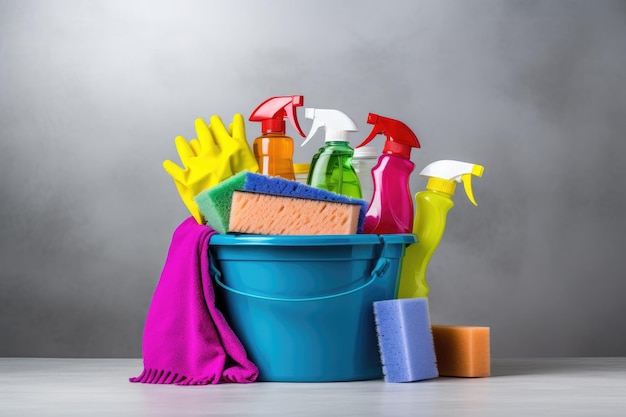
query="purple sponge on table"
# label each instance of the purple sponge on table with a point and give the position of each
(405, 340)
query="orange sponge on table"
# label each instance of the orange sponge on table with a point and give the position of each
(270, 214)
(462, 351)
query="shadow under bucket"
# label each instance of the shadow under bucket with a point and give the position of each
(302, 305)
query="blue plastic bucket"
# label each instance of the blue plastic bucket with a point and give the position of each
(302, 305)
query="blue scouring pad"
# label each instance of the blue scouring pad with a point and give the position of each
(280, 186)
(405, 340)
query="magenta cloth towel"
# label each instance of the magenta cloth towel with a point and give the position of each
(186, 339)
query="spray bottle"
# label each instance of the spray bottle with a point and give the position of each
(391, 208)
(273, 149)
(331, 167)
(364, 160)
(432, 209)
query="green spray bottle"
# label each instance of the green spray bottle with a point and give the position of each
(331, 167)
(432, 207)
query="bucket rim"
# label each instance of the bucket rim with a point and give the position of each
(311, 240)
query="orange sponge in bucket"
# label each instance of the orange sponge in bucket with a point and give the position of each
(260, 213)
(215, 202)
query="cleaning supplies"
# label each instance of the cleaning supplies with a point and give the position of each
(186, 338)
(363, 161)
(273, 149)
(268, 214)
(391, 208)
(405, 340)
(215, 203)
(432, 209)
(233, 143)
(215, 155)
(462, 351)
(331, 167)
(302, 305)
(280, 186)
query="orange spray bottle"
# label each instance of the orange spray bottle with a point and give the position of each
(391, 207)
(274, 149)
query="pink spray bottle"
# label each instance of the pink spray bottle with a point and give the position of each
(391, 208)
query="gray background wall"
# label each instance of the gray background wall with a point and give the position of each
(92, 95)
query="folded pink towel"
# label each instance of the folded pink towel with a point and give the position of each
(186, 340)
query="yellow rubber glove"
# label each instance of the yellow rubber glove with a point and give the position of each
(205, 165)
(234, 144)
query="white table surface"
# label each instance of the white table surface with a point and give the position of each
(518, 387)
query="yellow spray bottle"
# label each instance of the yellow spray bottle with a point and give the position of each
(432, 206)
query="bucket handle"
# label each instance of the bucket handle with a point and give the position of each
(379, 269)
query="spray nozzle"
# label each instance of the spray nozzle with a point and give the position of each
(443, 176)
(336, 123)
(400, 138)
(272, 112)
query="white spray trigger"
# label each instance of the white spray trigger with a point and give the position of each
(336, 123)
(317, 123)
(455, 171)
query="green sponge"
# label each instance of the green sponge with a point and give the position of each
(215, 202)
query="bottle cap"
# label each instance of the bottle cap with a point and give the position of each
(365, 152)
(301, 168)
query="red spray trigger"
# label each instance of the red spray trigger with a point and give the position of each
(271, 114)
(400, 138)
